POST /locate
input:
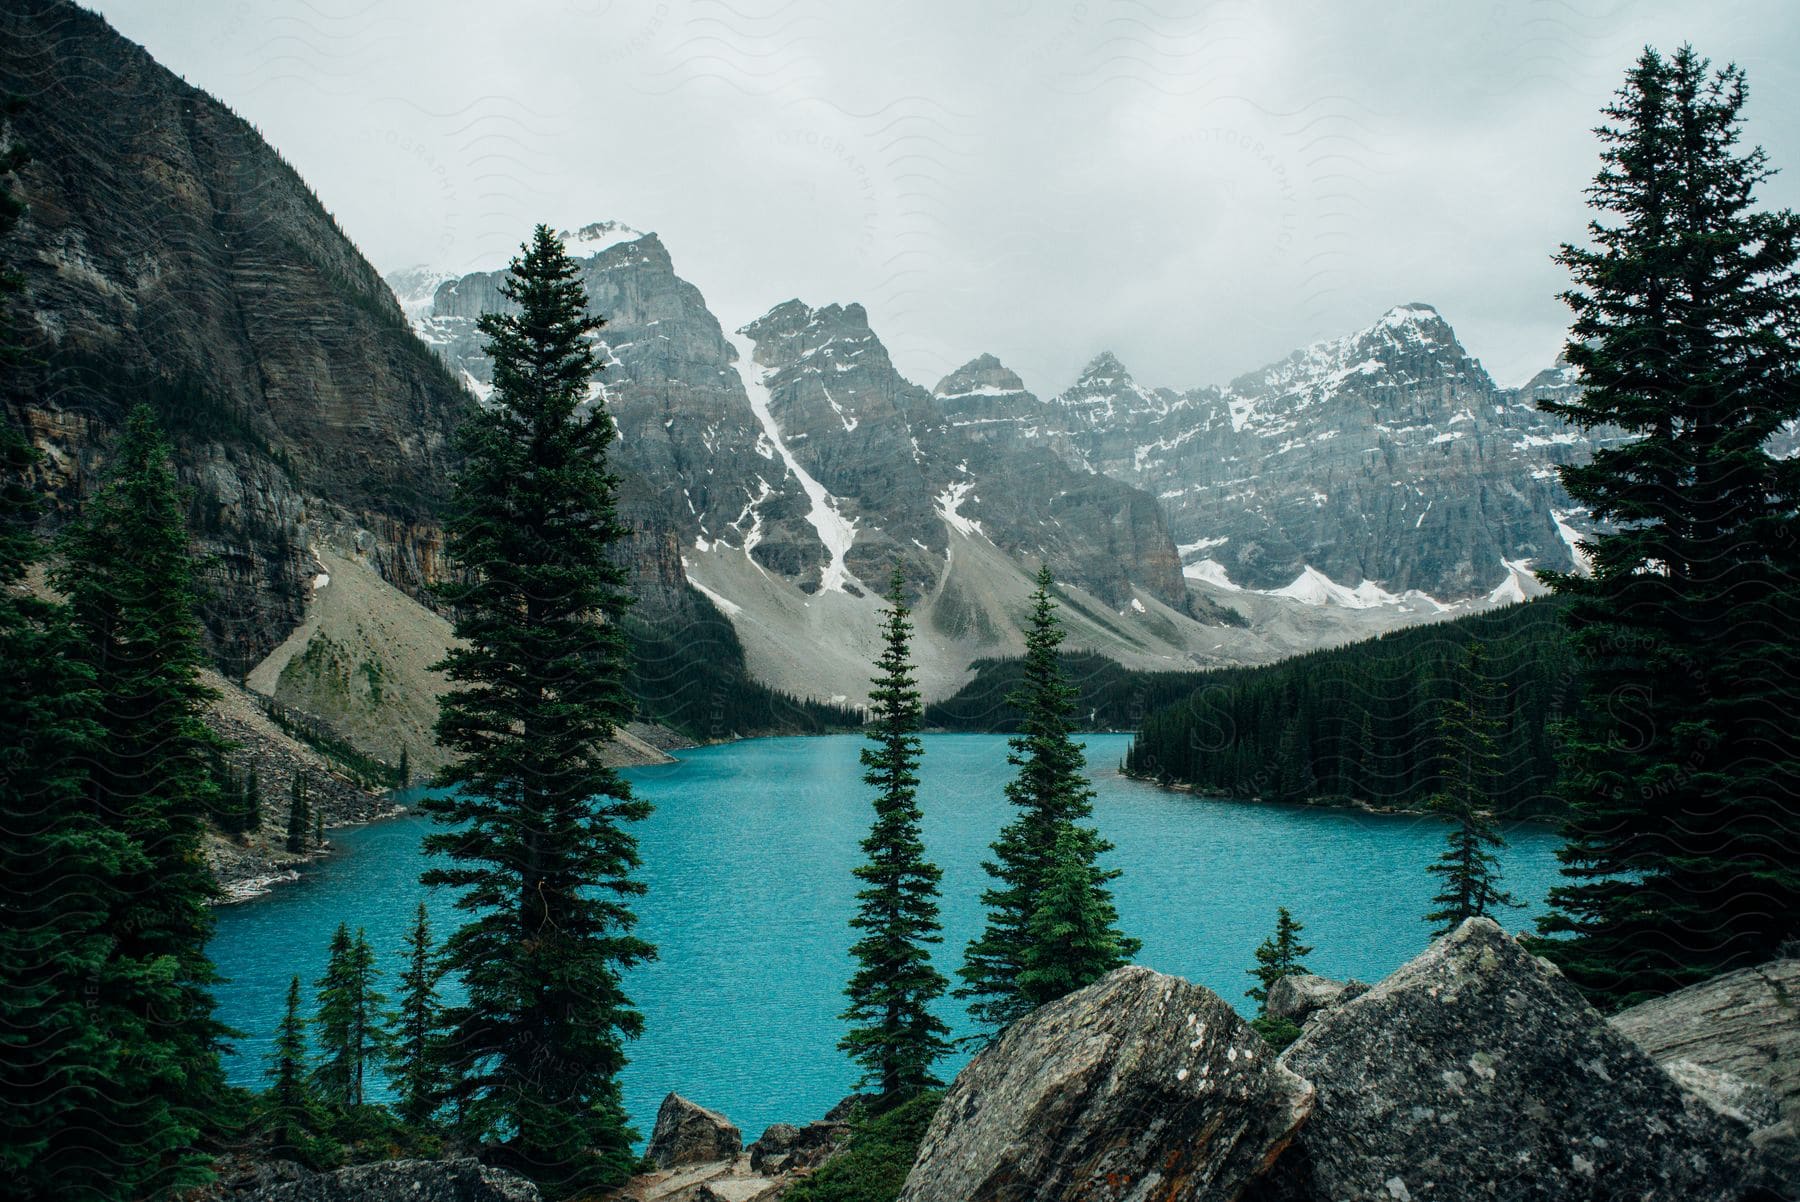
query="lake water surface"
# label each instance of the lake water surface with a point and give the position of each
(748, 860)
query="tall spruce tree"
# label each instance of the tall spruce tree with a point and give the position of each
(292, 1116)
(536, 824)
(1073, 937)
(894, 1035)
(128, 571)
(352, 1031)
(83, 1115)
(417, 1026)
(1469, 731)
(1683, 851)
(1277, 956)
(1052, 794)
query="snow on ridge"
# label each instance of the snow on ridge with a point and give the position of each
(836, 532)
(596, 237)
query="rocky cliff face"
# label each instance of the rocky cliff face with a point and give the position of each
(168, 254)
(1389, 457)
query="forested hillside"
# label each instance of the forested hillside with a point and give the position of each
(1109, 696)
(1360, 722)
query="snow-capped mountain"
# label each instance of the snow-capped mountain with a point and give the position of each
(794, 467)
(1386, 464)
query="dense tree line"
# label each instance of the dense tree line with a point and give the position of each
(1363, 722)
(1108, 695)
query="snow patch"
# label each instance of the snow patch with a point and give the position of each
(836, 531)
(1210, 571)
(1313, 587)
(948, 502)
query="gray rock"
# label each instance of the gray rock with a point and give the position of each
(686, 1133)
(784, 1148)
(1302, 995)
(1475, 1070)
(1728, 1040)
(1139, 1086)
(465, 1180)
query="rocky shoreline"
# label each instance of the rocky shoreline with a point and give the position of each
(1473, 1071)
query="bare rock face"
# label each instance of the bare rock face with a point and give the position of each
(689, 1134)
(169, 255)
(1476, 1071)
(1300, 996)
(1735, 1041)
(1139, 1086)
(465, 1180)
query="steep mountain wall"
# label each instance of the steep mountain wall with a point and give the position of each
(168, 254)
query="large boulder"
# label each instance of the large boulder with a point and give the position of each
(1476, 1071)
(686, 1133)
(1139, 1086)
(1735, 1041)
(1299, 996)
(466, 1180)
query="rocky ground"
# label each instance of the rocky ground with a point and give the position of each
(1473, 1071)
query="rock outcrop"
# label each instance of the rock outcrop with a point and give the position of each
(1475, 1070)
(1299, 996)
(1735, 1041)
(465, 1180)
(785, 1148)
(1140, 1086)
(689, 1134)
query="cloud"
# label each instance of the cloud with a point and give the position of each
(1200, 188)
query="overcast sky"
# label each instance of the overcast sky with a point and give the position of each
(1198, 187)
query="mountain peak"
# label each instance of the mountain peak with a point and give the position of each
(984, 375)
(1105, 366)
(597, 236)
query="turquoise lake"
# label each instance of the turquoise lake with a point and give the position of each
(748, 860)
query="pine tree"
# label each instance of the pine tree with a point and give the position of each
(1073, 936)
(299, 817)
(535, 821)
(127, 570)
(1277, 956)
(352, 1033)
(84, 1116)
(292, 1115)
(894, 1035)
(417, 1027)
(1469, 730)
(1051, 793)
(1683, 852)
(404, 773)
